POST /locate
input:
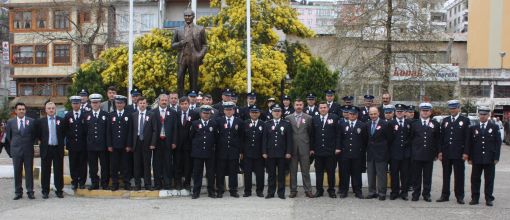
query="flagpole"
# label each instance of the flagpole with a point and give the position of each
(248, 45)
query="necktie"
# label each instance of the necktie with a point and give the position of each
(276, 123)
(142, 124)
(424, 123)
(76, 116)
(21, 127)
(228, 123)
(323, 120)
(120, 115)
(184, 118)
(95, 115)
(352, 125)
(53, 132)
(298, 120)
(205, 123)
(372, 130)
(400, 123)
(483, 128)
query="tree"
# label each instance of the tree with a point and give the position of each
(314, 78)
(154, 64)
(224, 65)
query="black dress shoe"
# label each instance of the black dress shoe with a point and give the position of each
(260, 194)
(31, 196)
(105, 187)
(293, 195)
(45, 196)
(309, 194)
(281, 196)
(382, 198)
(74, 187)
(404, 198)
(194, 196)
(17, 197)
(60, 195)
(247, 195)
(268, 196)
(93, 187)
(82, 186)
(234, 194)
(427, 199)
(489, 203)
(443, 199)
(461, 201)
(414, 199)
(219, 195)
(332, 195)
(212, 195)
(115, 187)
(393, 197)
(138, 188)
(359, 196)
(371, 196)
(149, 188)
(343, 195)
(473, 202)
(127, 187)
(319, 194)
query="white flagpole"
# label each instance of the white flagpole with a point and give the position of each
(130, 58)
(248, 45)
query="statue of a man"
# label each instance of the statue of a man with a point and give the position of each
(190, 40)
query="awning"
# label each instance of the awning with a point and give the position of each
(30, 101)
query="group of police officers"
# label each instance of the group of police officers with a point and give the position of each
(167, 147)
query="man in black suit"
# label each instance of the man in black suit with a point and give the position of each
(96, 126)
(386, 100)
(251, 151)
(453, 151)
(400, 154)
(484, 149)
(139, 139)
(194, 106)
(276, 148)
(352, 162)
(230, 130)
(50, 132)
(377, 155)
(311, 109)
(425, 140)
(325, 143)
(183, 161)
(75, 131)
(334, 107)
(20, 137)
(164, 138)
(203, 141)
(117, 141)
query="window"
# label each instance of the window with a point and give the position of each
(85, 16)
(61, 19)
(41, 19)
(22, 20)
(442, 92)
(148, 22)
(476, 91)
(63, 90)
(26, 90)
(43, 90)
(501, 91)
(123, 22)
(41, 56)
(23, 54)
(406, 93)
(61, 54)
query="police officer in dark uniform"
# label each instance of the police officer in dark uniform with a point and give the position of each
(325, 141)
(400, 154)
(193, 105)
(84, 100)
(135, 94)
(230, 130)
(276, 148)
(389, 113)
(287, 108)
(348, 100)
(411, 113)
(425, 140)
(344, 111)
(484, 148)
(368, 102)
(226, 96)
(245, 111)
(352, 162)
(117, 141)
(251, 151)
(453, 151)
(334, 107)
(311, 109)
(75, 133)
(96, 122)
(203, 136)
(269, 114)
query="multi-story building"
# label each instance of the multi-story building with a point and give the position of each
(320, 16)
(5, 78)
(48, 41)
(486, 80)
(457, 15)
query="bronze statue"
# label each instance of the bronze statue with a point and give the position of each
(191, 42)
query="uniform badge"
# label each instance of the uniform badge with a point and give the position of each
(446, 124)
(236, 127)
(251, 125)
(359, 130)
(211, 129)
(146, 118)
(287, 112)
(396, 127)
(346, 128)
(490, 130)
(461, 123)
(272, 127)
(104, 118)
(126, 118)
(58, 122)
(88, 118)
(70, 120)
(316, 113)
(225, 125)
(476, 132)
(260, 128)
(199, 126)
(378, 127)
(408, 126)
(113, 119)
(431, 125)
(282, 128)
(330, 121)
(237, 110)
